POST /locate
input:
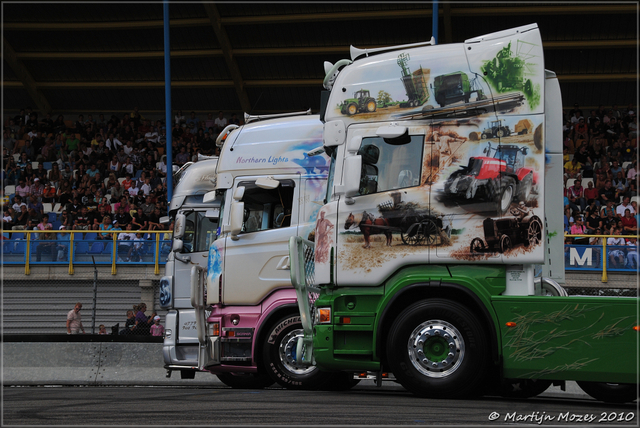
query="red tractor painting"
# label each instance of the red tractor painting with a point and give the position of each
(501, 178)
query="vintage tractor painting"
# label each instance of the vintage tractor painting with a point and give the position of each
(505, 233)
(362, 102)
(415, 84)
(508, 72)
(500, 178)
(495, 129)
(454, 87)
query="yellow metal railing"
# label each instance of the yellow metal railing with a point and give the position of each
(72, 239)
(605, 278)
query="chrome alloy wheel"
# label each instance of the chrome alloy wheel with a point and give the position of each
(436, 348)
(287, 353)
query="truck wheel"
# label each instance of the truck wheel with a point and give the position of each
(437, 348)
(506, 195)
(610, 392)
(523, 388)
(245, 380)
(280, 359)
(352, 109)
(483, 136)
(499, 133)
(371, 105)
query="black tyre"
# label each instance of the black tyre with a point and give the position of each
(437, 348)
(507, 193)
(280, 359)
(414, 235)
(371, 105)
(534, 232)
(500, 133)
(477, 246)
(483, 136)
(610, 392)
(524, 189)
(429, 232)
(523, 388)
(246, 380)
(505, 243)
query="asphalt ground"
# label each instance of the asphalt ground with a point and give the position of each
(365, 404)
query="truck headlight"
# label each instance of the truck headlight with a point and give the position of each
(322, 316)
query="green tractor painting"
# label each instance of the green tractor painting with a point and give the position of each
(454, 87)
(362, 102)
(415, 84)
(508, 72)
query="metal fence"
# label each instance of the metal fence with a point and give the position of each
(41, 307)
(84, 247)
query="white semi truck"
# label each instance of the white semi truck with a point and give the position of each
(191, 183)
(237, 316)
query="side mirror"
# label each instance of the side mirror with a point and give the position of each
(179, 226)
(351, 175)
(177, 245)
(165, 219)
(236, 217)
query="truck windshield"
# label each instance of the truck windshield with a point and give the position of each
(200, 232)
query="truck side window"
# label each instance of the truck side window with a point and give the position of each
(267, 209)
(199, 233)
(387, 166)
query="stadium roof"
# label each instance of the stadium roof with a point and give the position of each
(264, 58)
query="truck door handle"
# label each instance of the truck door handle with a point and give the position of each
(283, 264)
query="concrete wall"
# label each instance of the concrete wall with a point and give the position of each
(90, 363)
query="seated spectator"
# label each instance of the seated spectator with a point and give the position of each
(579, 229)
(36, 205)
(129, 324)
(568, 219)
(625, 205)
(143, 323)
(138, 219)
(135, 251)
(47, 245)
(125, 241)
(62, 244)
(593, 221)
(575, 193)
(616, 252)
(82, 220)
(607, 193)
(7, 219)
(49, 195)
(629, 223)
(632, 253)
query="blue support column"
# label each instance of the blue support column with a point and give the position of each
(167, 101)
(435, 21)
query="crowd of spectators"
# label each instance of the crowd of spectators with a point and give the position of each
(98, 174)
(601, 180)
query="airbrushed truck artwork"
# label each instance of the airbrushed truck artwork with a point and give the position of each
(464, 182)
(438, 253)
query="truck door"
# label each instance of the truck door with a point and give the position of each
(257, 261)
(390, 216)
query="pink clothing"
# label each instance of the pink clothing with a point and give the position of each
(157, 330)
